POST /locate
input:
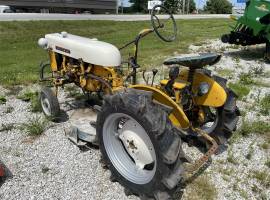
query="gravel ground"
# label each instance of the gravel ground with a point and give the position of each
(51, 167)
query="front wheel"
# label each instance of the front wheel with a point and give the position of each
(49, 103)
(139, 145)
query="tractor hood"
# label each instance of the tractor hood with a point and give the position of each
(89, 50)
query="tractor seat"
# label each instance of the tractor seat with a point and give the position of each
(194, 62)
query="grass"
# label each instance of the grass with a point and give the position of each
(9, 109)
(265, 105)
(201, 189)
(35, 126)
(225, 72)
(240, 89)
(3, 100)
(7, 127)
(261, 176)
(33, 98)
(257, 127)
(20, 55)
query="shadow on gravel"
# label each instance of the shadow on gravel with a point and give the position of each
(6, 174)
(248, 54)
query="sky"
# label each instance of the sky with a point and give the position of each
(199, 3)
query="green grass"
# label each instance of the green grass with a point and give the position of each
(240, 89)
(7, 127)
(3, 100)
(33, 98)
(265, 105)
(20, 55)
(35, 126)
(261, 128)
(201, 189)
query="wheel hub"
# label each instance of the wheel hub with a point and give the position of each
(140, 150)
(129, 148)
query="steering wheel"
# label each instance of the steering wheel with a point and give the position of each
(163, 23)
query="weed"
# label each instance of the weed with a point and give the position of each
(7, 127)
(265, 105)
(3, 100)
(33, 98)
(240, 89)
(237, 60)
(261, 176)
(259, 127)
(225, 72)
(231, 158)
(45, 169)
(35, 127)
(257, 70)
(201, 189)
(9, 109)
(265, 145)
(267, 163)
(246, 79)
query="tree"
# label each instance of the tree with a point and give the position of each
(172, 5)
(218, 7)
(139, 5)
(176, 6)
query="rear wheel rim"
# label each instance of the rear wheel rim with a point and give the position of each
(210, 126)
(129, 148)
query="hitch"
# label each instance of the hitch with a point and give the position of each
(193, 170)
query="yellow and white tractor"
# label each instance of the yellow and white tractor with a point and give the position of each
(140, 128)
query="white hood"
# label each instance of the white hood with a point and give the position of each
(89, 50)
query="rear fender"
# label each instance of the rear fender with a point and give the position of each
(216, 95)
(177, 116)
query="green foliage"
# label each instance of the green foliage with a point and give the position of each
(177, 6)
(218, 7)
(259, 127)
(265, 105)
(139, 5)
(201, 189)
(33, 98)
(7, 127)
(3, 100)
(246, 79)
(35, 127)
(240, 89)
(9, 109)
(261, 176)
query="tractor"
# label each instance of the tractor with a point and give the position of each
(140, 127)
(253, 27)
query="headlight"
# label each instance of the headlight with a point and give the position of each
(203, 89)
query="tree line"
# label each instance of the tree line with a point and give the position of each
(186, 6)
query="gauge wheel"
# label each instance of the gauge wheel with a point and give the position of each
(222, 121)
(49, 104)
(139, 145)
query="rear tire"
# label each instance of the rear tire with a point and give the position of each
(226, 118)
(157, 180)
(49, 103)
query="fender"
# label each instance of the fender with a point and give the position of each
(216, 95)
(177, 116)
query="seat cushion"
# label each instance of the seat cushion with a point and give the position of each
(194, 61)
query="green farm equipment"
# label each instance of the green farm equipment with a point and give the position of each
(253, 27)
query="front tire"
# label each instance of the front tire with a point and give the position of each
(49, 103)
(139, 145)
